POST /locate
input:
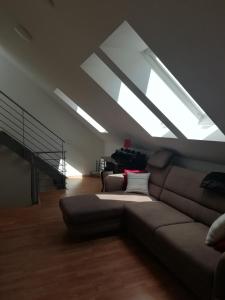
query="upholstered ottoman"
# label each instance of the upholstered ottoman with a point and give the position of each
(87, 215)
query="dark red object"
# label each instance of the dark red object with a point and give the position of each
(127, 143)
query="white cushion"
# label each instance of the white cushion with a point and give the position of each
(216, 232)
(137, 183)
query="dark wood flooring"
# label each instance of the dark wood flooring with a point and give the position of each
(38, 261)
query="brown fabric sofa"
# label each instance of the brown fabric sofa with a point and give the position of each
(172, 222)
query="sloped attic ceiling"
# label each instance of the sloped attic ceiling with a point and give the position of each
(186, 35)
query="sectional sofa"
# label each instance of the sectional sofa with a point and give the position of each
(172, 221)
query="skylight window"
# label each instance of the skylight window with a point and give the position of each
(130, 53)
(101, 73)
(79, 110)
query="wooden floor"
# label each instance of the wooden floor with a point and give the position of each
(39, 262)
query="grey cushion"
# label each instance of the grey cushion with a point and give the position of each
(181, 247)
(216, 232)
(137, 183)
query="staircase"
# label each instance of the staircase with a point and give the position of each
(25, 135)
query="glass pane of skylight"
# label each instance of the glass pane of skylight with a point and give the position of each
(130, 53)
(79, 110)
(100, 72)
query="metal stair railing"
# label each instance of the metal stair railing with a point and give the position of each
(21, 125)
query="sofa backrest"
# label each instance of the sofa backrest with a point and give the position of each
(157, 180)
(182, 191)
(158, 165)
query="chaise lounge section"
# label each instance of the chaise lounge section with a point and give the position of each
(172, 222)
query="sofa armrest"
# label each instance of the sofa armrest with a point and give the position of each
(219, 283)
(113, 182)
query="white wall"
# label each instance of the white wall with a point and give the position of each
(82, 145)
(112, 145)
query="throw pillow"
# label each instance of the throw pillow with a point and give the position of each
(214, 181)
(216, 232)
(125, 172)
(137, 183)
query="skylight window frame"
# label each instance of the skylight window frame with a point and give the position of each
(160, 69)
(174, 105)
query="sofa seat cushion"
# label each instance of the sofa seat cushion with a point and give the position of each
(88, 208)
(182, 248)
(142, 219)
